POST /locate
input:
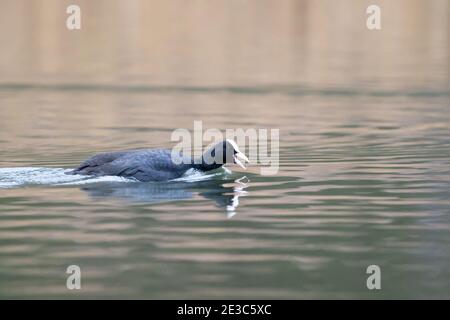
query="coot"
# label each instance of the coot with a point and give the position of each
(159, 164)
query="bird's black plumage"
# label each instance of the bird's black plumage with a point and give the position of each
(144, 165)
(152, 164)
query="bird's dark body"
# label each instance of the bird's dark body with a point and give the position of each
(144, 165)
(156, 164)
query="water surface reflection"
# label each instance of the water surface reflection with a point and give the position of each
(223, 193)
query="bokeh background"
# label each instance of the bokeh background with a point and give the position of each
(224, 43)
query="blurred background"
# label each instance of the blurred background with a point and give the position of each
(364, 148)
(228, 43)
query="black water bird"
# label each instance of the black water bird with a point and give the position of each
(159, 164)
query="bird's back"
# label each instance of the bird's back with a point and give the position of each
(143, 165)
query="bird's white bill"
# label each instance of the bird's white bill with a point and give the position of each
(239, 157)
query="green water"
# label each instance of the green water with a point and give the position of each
(361, 190)
(364, 175)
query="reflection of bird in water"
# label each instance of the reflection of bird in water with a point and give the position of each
(224, 196)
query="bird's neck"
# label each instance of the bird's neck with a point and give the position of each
(203, 166)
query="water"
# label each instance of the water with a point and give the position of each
(364, 172)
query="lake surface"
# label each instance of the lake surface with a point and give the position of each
(364, 175)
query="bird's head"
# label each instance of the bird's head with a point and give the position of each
(225, 152)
